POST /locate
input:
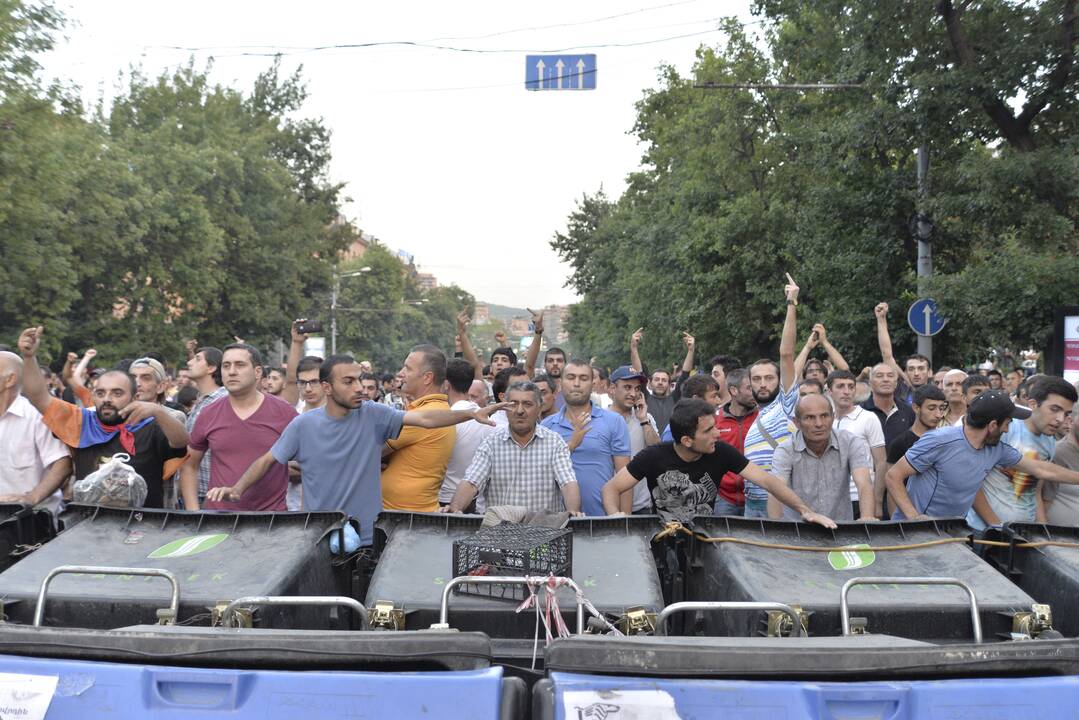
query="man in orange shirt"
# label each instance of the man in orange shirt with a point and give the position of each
(417, 459)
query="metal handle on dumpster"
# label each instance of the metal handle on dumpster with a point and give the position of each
(174, 601)
(444, 612)
(844, 609)
(661, 621)
(318, 600)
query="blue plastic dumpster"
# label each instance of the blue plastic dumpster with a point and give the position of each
(87, 690)
(591, 697)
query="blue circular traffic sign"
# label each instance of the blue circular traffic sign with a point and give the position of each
(924, 318)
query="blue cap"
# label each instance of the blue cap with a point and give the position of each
(628, 372)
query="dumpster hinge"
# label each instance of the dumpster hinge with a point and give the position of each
(780, 624)
(859, 626)
(1029, 625)
(384, 616)
(637, 621)
(241, 617)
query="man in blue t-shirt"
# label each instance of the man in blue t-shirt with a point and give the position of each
(598, 439)
(947, 467)
(339, 446)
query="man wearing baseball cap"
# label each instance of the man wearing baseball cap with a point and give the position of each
(627, 400)
(151, 381)
(941, 474)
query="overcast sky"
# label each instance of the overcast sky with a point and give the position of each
(445, 154)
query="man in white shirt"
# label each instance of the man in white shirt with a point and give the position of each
(459, 378)
(864, 424)
(626, 389)
(33, 464)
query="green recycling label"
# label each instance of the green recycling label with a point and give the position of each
(851, 558)
(188, 546)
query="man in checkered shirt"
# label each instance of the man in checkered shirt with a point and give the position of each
(522, 464)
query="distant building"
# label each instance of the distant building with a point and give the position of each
(358, 247)
(482, 316)
(519, 326)
(426, 281)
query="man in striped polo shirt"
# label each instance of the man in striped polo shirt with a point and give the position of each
(773, 388)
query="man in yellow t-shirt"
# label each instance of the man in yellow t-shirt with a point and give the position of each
(417, 459)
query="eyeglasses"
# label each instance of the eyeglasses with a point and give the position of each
(308, 383)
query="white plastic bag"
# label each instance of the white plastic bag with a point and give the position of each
(115, 484)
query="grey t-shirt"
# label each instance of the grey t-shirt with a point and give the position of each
(660, 408)
(1064, 497)
(822, 482)
(340, 459)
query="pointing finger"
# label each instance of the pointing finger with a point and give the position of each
(790, 279)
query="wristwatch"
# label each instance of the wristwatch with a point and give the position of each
(643, 423)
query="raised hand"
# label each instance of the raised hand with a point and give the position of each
(462, 322)
(29, 340)
(297, 336)
(537, 321)
(635, 338)
(689, 340)
(881, 310)
(822, 334)
(791, 290)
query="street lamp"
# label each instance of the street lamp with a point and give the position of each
(333, 301)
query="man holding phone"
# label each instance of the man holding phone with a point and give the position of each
(627, 399)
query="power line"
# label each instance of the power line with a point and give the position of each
(564, 25)
(777, 86)
(282, 51)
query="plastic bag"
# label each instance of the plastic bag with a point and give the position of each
(115, 484)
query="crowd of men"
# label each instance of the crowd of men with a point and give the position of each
(800, 436)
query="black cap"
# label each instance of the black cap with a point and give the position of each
(995, 405)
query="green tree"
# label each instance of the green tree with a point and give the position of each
(382, 313)
(739, 185)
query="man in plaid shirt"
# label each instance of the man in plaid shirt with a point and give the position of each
(523, 464)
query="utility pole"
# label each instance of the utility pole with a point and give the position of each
(334, 291)
(924, 231)
(333, 310)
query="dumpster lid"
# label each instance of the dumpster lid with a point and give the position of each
(418, 560)
(835, 658)
(254, 648)
(215, 556)
(813, 578)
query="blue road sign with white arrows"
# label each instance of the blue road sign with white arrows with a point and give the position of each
(924, 318)
(560, 72)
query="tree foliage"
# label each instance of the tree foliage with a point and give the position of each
(183, 209)
(382, 313)
(738, 186)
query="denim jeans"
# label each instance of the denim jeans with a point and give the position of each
(757, 508)
(723, 507)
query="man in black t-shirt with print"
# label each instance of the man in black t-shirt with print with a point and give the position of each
(683, 475)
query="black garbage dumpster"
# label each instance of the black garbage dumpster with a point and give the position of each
(215, 558)
(612, 563)
(1048, 573)
(22, 530)
(813, 580)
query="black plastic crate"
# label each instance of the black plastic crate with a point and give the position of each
(515, 550)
